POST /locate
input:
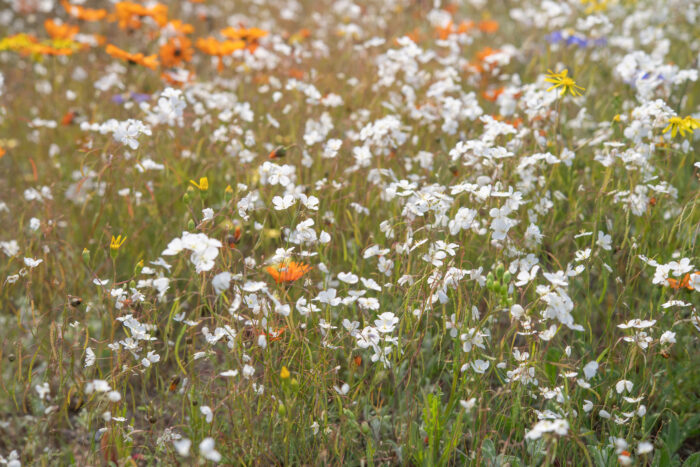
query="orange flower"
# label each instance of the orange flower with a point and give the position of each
(683, 283)
(463, 28)
(176, 51)
(58, 30)
(244, 34)
(250, 36)
(289, 271)
(216, 48)
(129, 14)
(159, 13)
(85, 14)
(492, 95)
(149, 61)
(2, 152)
(488, 25)
(444, 32)
(180, 27)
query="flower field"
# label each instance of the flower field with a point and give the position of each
(350, 232)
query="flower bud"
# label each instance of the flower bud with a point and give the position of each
(499, 271)
(365, 427)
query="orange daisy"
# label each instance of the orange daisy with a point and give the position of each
(85, 14)
(176, 51)
(250, 36)
(288, 271)
(216, 48)
(149, 61)
(129, 14)
(58, 30)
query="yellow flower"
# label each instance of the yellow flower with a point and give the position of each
(116, 243)
(595, 5)
(203, 184)
(681, 125)
(284, 374)
(565, 82)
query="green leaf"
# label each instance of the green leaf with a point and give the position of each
(673, 436)
(693, 460)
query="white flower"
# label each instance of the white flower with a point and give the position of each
(89, 357)
(314, 427)
(678, 268)
(469, 404)
(248, 371)
(221, 282)
(328, 297)
(207, 214)
(582, 255)
(590, 369)
(98, 385)
(10, 248)
(668, 337)
(480, 366)
(348, 277)
(517, 311)
(644, 447)
(32, 263)
(182, 446)
(281, 203)
(162, 284)
(558, 426)
(386, 322)
(208, 414)
(624, 385)
(152, 357)
(43, 390)
(694, 282)
(126, 132)
(604, 241)
(637, 323)
(330, 150)
(206, 449)
(204, 249)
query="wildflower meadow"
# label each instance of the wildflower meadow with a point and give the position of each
(350, 232)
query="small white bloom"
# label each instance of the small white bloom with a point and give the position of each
(208, 414)
(32, 263)
(590, 370)
(206, 449)
(182, 446)
(644, 447)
